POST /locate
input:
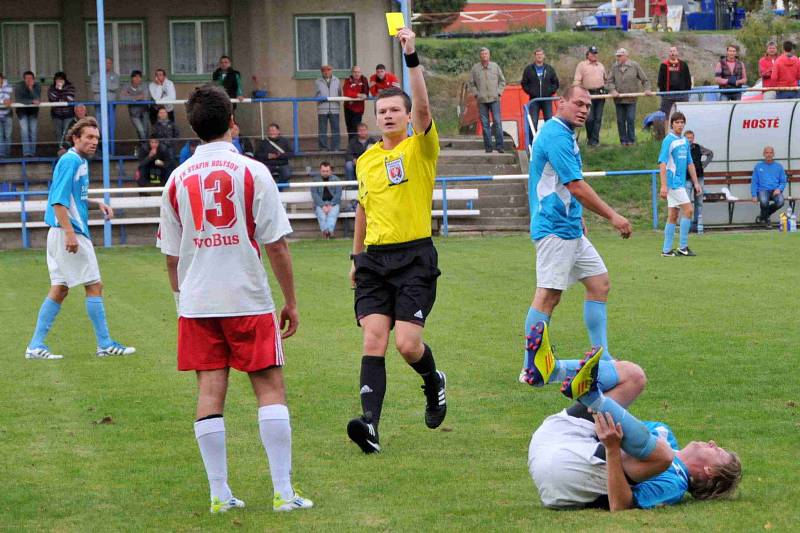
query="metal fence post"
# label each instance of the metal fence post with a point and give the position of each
(24, 220)
(654, 198)
(296, 126)
(444, 208)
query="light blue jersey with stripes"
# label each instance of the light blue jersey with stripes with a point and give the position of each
(555, 161)
(675, 154)
(70, 188)
(669, 486)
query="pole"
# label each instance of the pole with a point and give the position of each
(549, 26)
(654, 199)
(405, 9)
(101, 69)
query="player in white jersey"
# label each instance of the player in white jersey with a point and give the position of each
(217, 209)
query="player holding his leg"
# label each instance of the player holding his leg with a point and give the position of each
(217, 208)
(70, 254)
(395, 276)
(673, 162)
(636, 464)
(557, 195)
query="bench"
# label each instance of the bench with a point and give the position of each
(743, 177)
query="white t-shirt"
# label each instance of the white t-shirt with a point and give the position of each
(216, 209)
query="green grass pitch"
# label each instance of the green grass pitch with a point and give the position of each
(717, 335)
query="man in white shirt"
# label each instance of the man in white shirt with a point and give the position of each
(217, 208)
(161, 89)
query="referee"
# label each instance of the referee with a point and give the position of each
(394, 266)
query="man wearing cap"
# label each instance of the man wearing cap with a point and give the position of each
(487, 84)
(627, 77)
(591, 75)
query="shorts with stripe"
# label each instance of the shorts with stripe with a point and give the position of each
(247, 343)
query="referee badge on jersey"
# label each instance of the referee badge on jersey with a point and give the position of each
(395, 171)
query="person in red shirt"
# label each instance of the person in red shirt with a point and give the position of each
(786, 72)
(382, 79)
(355, 86)
(658, 10)
(765, 67)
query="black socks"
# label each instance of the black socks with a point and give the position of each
(426, 367)
(373, 386)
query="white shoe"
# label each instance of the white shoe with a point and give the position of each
(41, 353)
(297, 502)
(222, 507)
(115, 349)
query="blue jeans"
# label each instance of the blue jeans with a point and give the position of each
(28, 128)
(696, 200)
(322, 123)
(626, 122)
(496, 127)
(768, 203)
(140, 125)
(786, 95)
(6, 127)
(327, 222)
(546, 106)
(594, 121)
(112, 123)
(281, 173)
(60, 130)
(730, 97)
(350, 170)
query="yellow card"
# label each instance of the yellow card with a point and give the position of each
(394, 21)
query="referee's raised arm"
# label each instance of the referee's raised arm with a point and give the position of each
(420, 107)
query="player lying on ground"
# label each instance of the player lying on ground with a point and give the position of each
(216, 209)
(70, 255)
(635, 464)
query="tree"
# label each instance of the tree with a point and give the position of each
(442, 14)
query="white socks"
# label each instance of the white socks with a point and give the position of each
(210, 434)
(276, 436)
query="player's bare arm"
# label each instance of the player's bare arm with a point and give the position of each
(280, 259)
(420, 108)
(172, 271)
(662, 173)
(589, 198)
(620, 496)
(359, 232)
(70, 240)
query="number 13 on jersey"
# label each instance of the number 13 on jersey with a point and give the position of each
(219, 210)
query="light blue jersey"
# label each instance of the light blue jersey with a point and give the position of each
(669, 486)
(675, 154)
(555, 161)
(70, 188)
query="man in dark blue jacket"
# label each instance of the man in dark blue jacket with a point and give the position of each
(539, 80)
(327, 200)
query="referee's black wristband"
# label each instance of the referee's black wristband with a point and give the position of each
(412, 59)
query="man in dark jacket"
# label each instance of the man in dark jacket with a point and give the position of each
(29, 92)
(275, 151)
(701, 157)
(673, 75)
(730, 73)
(357, 146)
(60, 91)
(228, 78)
(327, 200)
(539, 80)
(156, 163)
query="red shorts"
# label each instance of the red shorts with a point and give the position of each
(246, 343)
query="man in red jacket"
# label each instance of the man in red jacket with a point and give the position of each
(355, 86)
(786, 71)
(658, 10)
(382, 79)
(766, 65)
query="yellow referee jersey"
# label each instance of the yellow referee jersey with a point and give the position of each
(395, 188)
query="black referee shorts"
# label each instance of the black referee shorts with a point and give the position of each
(397, 280)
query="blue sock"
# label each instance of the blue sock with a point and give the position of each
(607, 377)
(533, 317)
(97, 314)
(595, 318)
(47, 314)
(669, 235)
(686, 225)
(636, 440)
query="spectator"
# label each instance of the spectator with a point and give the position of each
(539, 80)
(188, 150)
(112, 86)
(658, 10)
(382, 79)
(79, 112)
(60, 91)
(327, 200)
(6, 121)
(730, 73)
(328, 86)
(787, 71)
(701, 157)
(242, 144)
(28, 92)
(165, 130)
(136, 91)
(487, 84)
(275, 152)
(766, 66)
(591, 75)
(161, 88)
(767, 185)
(229, 79)
(156, 163)
(627, 77)
(355, 86)
(357, 146)
(673, 75)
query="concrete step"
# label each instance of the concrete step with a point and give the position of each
(495, 202)
(476, 170)
(475, 157)
(462, 143)
(494, 212)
